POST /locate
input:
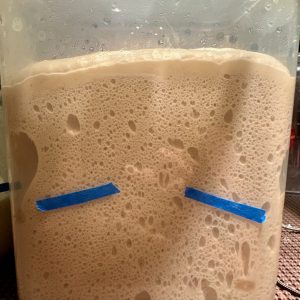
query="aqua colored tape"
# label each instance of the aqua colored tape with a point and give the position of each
(76, 198)
(4, 187)
(243, 210)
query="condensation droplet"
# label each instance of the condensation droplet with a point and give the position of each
(271, 242)
(49, 107)
(132, 125)
(208, 220)
(176, 143)
(215, 232)
(266, 206)
(202, 241)
(228, 117)
(73, 124)
(96, 125)
(270, 158)
(178, 202)
(245, 253)
(144, 295)
(193, 152)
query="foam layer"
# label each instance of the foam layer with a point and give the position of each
(152, 122)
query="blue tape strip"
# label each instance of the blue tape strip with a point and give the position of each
(4, 187)
(246, 211)
(77, 197)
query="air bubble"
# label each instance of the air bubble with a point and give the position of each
(271, 242)
(129, 243)
(73, 124)
(208, 220)
(215, 232)
(36, 108)
(244, 85)
(193, 152)
(270, 158)
(164, 179)
(49, 107)
(132, 125)
(245, 253)
(151, 220)
(231, 228)
(245, 285)
(195, 114)
(228, 117)
(243, 159)
(96, 125)
(176, 143)
(178, 202)
(238, 148)
(266, 206)
(142, 221)
(221, 277)
(224, 183)
(202, 241)
(211, 264)
(112, 113)
(144, 295)
(227, 76)
(190, 260)
(212, 113)
(229, 278)
(209, 292)
(114, 250)
(202, 130)
(46, 275)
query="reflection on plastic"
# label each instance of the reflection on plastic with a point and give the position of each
(78, 197)
(246, 211)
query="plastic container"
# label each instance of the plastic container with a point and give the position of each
(157, 98)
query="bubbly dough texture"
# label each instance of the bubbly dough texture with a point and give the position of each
(152, 122)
